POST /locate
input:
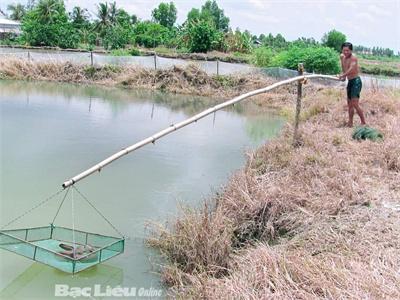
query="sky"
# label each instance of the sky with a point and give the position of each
(368, 23)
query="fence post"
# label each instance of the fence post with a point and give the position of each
(29, 56)
(155, 61)
(296, 141)
(91, 58)
(217, 67)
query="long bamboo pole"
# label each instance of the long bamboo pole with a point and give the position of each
(174, 127)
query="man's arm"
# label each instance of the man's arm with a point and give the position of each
(342, 61)
(342, 64)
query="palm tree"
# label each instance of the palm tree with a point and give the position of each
(17, 11)
(79, 16)
(113, 12)
(47, 9)
(103, 14)
(30, 4)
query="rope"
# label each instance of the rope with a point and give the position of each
(59, 207)
(90, 203)
(33, 208)
(73, 224)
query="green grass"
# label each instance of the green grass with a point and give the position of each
(125, 52)
(168, 51)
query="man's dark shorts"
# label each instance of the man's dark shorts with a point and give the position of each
(354, 88)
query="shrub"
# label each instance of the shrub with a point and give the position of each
(117, 37)
(149, 34)
(134, 52)
(202, 36)
(126, 52)
(316, 59)
(262, 57)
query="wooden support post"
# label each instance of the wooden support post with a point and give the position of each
(155, 61)
(296, 141)
(29, 56)
(217, 67)
(91, 58)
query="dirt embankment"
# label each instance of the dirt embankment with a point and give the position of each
(321, 221)
(183, 80)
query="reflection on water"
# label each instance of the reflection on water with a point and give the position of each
(36, 280)
(259, 128)
(50, 132)
(117, 99)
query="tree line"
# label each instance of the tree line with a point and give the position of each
(377, 51)
(48, 23)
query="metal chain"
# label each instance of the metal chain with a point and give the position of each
(33, 208)
(90, 203)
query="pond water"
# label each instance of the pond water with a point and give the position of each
(50, 132)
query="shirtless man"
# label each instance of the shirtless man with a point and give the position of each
(350, 70)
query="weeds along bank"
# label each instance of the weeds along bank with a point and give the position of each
(183, 80)
(318, 221)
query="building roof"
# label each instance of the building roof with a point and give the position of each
(4, 21)
(9, 26)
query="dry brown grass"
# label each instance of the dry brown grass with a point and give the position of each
(183, 80)
(192, 80)
(311, 222)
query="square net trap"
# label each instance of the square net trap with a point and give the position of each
(62, 248)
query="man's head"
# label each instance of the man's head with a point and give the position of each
(347, 49)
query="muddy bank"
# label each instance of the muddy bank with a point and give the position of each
(317, 221)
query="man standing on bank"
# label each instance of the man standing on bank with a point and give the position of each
(350, 70)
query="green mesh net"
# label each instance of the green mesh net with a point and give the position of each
(65, 249)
